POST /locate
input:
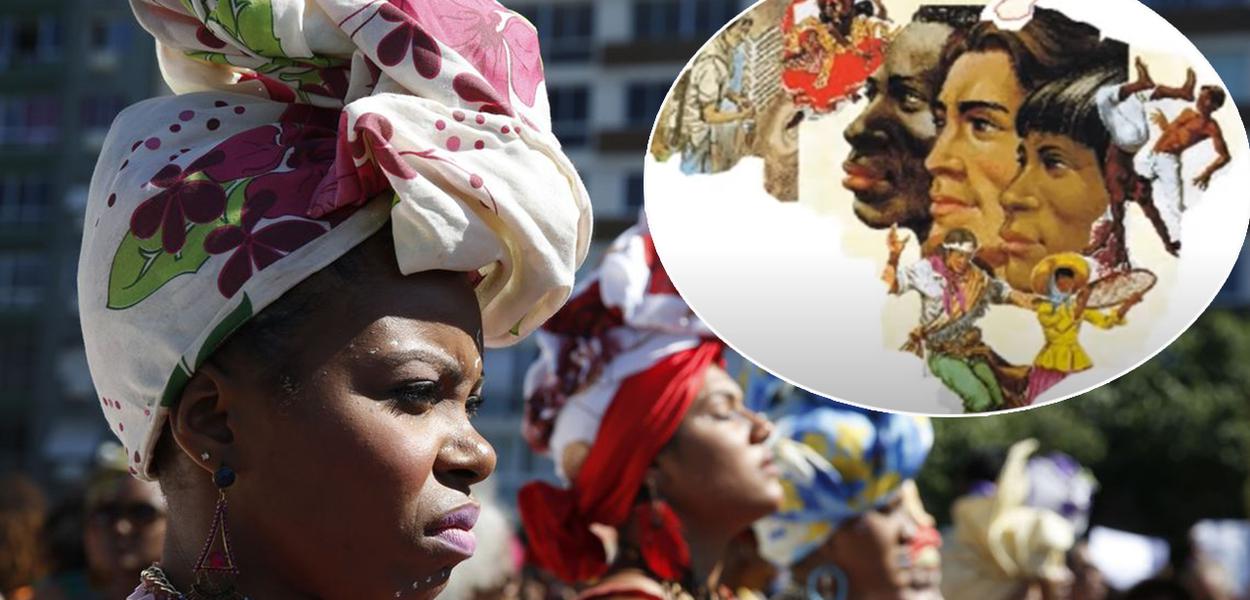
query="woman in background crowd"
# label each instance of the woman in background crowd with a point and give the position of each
(1003, 549)
(852, 526)
(123, 533)
(631, 400)
(22, 510)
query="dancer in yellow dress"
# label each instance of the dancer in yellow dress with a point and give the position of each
(1061, 281)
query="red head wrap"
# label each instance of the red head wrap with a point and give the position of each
(644, 414)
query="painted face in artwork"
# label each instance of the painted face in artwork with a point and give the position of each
(974, 158)
(1052, 205)
(895, 132)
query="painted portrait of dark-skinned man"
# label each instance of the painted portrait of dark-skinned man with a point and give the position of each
(895, 131)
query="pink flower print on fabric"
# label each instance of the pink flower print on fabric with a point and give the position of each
(408, 38)
(363, 158)
(499, 44)
(472, 28)
(278, 91)
(258, 248)
(307, 144)
(366, 157)
(197, 201)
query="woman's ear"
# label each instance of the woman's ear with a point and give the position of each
(200, 423)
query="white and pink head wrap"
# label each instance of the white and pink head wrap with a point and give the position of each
(299, 128)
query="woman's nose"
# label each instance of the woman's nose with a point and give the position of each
(941, 159)
(761, 427)
(464, 459)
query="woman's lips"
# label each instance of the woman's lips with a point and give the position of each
(1017, 244)
(455, 529)
(458, 540)
(770, 468)
(942, 206)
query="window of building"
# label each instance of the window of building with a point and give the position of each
(17, 360)
(633, 192)
(111, 33)
(22, 278)
(30, 40)
(685, 19)
(570, 112)
(644, 101)
(24, 198)
(97, 111)
(566, 30)
(30, 120)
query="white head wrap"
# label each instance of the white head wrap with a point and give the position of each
(999, 544)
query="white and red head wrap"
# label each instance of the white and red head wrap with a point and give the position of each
(620, 366)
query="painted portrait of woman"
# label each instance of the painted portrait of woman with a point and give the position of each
(1061, 189)
(988, 74)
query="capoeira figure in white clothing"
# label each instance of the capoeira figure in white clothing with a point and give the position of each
(1162, 191)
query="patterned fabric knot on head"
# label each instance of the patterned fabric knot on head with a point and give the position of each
(619, 367)
(838, 462)
(298, 129)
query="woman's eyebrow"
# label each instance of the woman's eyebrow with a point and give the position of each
(427, 354)
(968, 106)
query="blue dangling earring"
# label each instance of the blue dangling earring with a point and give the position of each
(215, 571)
(822, 574)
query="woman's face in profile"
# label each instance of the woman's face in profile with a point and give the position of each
(875, 550)
(717, 470)
(354, 473)
(1053, 203)
(974, 157)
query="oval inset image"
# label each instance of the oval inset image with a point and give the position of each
(948, 208)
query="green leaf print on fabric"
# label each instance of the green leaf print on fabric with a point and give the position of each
(250, 22)
(177, 380)
(227, 326)
(216, 58)
(142, 266)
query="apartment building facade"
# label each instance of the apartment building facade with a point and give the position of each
(68, 66)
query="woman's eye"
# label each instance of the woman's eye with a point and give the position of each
(1054, 163)
(473, 405)
(890, 507)
(417, 393)
(980, 125)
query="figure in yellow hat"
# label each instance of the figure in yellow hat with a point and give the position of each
(1060, 280)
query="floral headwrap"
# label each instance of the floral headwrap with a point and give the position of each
(299, 129)
(839, 462)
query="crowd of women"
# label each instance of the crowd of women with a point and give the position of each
(289, 272)
(678, 481)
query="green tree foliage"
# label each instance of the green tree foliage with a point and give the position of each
(1169, 442)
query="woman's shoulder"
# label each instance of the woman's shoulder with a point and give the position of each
(629, 585)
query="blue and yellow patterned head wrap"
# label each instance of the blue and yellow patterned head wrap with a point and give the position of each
(840, 462)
